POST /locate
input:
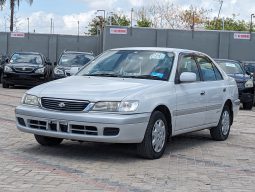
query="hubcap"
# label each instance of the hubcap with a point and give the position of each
(225, 123)
(158, 135)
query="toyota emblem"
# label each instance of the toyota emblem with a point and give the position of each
(62, 105)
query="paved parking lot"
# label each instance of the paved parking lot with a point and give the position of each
(192, 162)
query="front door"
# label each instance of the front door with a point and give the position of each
(191, 100)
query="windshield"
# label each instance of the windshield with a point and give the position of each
(155, 65)
(250, 67)
(231, 67)
(74, 59)
(26, 58)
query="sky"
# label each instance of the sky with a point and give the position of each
(67, 13)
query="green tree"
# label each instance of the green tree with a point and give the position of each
(144, 22)
(117, 19)
(230, 24)
(142, 19)
(13, 4)
(97, 23)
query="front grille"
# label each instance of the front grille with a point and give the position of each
(62, 126)
(24, 69)
(85, 130)
(64, 105)
(35, 124)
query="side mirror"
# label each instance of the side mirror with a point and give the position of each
(7, 60)
(248, 73)
(188, 77)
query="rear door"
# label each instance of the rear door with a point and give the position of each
(215, 89)
(191, 101)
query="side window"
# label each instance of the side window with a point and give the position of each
(217, 73)
(207, 69)
(188, 64)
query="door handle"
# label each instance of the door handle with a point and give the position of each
(202, 93)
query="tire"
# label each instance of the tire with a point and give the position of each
(221, 133)
(146, 149)
(248, 106)
(5, 85)
(47, 141)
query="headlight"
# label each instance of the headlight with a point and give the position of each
(30, 100)
(125, 106)
(7, 69)
(40, 71)
(249, 84)
(128, 106)
(58, 71)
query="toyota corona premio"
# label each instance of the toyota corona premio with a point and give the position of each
(133, 95)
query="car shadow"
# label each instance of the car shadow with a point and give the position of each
(124, 153)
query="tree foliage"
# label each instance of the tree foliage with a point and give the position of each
(97, 23)
(142, 19)
(194, 16)
(13, 5)
(230, 24)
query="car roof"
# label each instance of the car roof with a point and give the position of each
(227, 60)
(79, 52)
(158, 49)
(249, 62)
(37, 53)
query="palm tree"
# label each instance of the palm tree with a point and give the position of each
(13, 3)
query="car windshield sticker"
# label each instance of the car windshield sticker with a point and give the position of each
(158, 56)
(155, 74)
(230, 65)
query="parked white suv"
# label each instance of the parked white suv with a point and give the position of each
(133, 95)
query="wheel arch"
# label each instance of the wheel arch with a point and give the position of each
(165, 110)
(230, 105)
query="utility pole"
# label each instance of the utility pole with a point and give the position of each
(221, 3)
(251, 26)
(78, 28)
(28, 25)
(102, 10)
(223, 23)
(131, 21)
(5, 25)
(51, 25)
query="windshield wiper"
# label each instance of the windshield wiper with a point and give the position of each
(143, 77)
(103, 75)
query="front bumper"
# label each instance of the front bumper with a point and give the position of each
(83, 126)
(23, 78)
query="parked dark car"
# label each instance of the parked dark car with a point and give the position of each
(244, 80)
(70, 63)
(27, 68)
(250, 67)
(2, 62)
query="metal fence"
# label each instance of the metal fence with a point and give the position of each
(217, 44)
(50, 45)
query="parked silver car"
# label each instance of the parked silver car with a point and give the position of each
(133, 95)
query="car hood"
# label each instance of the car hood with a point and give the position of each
(20, 65)
(240, 77)
(72, 69)
(93, 88)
